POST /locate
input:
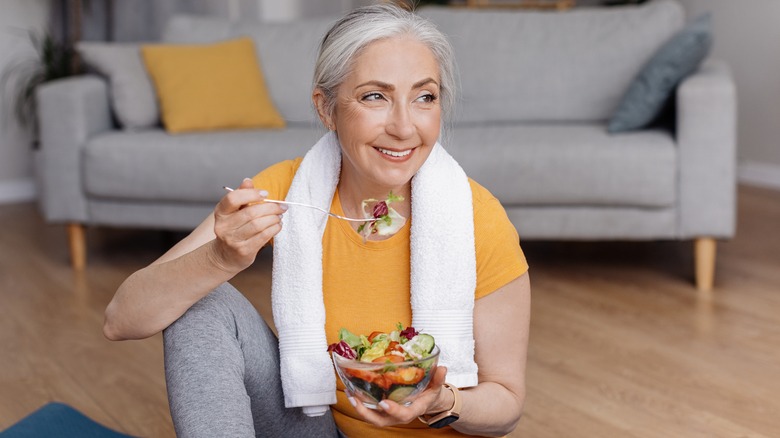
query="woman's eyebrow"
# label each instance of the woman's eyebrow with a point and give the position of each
(380, 84)
(391, 87)
(424, 82)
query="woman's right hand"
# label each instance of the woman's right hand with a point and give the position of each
(243, 224)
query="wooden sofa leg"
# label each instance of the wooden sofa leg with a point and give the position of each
(704, 249)
(78, 246)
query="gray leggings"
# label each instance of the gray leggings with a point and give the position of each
(222, 372)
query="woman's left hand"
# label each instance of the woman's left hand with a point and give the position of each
(390, 413)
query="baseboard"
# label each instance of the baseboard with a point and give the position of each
(17, 190)
(759, 174)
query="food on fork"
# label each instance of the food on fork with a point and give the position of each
(382, 219)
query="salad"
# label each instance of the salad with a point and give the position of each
(382, 219)
(395, 365)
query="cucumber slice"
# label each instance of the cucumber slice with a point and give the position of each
(374, 392)
(427, 364)
(400, 393)
(424, 344)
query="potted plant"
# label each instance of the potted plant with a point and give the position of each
(52, 59)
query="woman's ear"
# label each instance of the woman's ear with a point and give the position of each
(318, 97)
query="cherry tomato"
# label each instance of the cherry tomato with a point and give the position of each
(373, 335)
(394, 346)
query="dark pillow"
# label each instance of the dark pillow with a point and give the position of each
(656, 82)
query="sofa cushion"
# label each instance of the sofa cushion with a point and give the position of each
(203, 87)
(652, 89)
(569, 164)
(542, 66)
(133, 99)
(533, 165)
(288, 52)
(153, 165)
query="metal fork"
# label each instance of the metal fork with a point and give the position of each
(275, 201)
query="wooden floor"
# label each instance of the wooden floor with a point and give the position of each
(622, 345)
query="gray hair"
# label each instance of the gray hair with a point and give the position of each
(365, 25)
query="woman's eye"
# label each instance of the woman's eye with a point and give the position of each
(427, 98)
(372, 97)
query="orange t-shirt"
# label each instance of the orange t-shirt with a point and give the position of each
(366, 285)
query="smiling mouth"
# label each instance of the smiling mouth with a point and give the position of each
(394, 153)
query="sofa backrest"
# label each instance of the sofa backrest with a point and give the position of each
(513, 65)
(552, 66)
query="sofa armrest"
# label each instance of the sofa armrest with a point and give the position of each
(70, 111)
(706, 137)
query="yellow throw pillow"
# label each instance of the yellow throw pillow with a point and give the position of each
(212, 86)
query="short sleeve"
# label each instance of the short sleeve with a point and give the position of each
(277, 179)
(497, 244)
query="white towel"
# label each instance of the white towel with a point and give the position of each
(443, 273)
(443, 263)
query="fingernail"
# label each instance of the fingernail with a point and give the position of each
(247, 179)
(280, 217)
(352, 402)
(283, 207)
(383, 405)
(263, 193)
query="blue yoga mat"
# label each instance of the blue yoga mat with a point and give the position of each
(58, 420)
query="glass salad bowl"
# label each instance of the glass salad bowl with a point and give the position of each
(400, 382)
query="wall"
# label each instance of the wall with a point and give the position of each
(144, 20)
(746, 36)
(274, 10)
(16, 18)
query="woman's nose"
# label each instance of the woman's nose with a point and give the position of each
(399, 122)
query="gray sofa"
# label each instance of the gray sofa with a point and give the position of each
(537, 91)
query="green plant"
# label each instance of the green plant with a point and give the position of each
(52, 60)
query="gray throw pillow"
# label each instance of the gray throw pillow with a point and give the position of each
(654, 85)
(133, 98)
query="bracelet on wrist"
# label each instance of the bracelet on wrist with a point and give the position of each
(447, 417)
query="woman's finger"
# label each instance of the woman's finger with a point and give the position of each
(243, 224)
(246, 184)
(257, 210)
(258, 226)
(238, 199)
(439, 377)
(244, 195)
(391, 413)
(388, 413)
(240, 226)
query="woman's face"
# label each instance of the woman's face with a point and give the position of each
(387, 113)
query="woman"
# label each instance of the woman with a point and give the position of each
(383, 81)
